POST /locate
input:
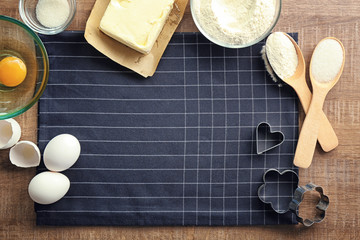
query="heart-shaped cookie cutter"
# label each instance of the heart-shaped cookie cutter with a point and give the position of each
(266, 139)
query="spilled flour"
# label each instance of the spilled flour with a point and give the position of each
(235, 21)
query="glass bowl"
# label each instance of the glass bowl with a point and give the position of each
(27, 9)
(17, 39)
(230, 45)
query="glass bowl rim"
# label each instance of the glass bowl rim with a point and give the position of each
(45, 58)
(223, 44)
(50, 31)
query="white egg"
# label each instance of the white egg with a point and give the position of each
(10, 133)
(61, 152)
(48, 187)
(25, 154)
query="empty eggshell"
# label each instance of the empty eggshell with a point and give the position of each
(10, 133)
(25, 154)
(48, 187)
(61, 152)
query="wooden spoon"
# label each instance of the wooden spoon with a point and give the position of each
(327, 137)
(309, 132)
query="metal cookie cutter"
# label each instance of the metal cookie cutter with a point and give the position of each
(266, 139)
(278, 189)
(282, 193)
(321, 206)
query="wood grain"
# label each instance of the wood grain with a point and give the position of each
(337, 171)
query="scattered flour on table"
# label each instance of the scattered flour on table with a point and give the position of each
(281, 54)
(327, 60)
(52, 13)
(235, 21)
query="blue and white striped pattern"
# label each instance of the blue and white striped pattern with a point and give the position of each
(174, 149)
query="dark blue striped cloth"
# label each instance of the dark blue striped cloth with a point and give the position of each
(174, 149)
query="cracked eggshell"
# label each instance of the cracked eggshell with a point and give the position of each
(61, 152)
(25, 154)
(48, 187)
(10, 133)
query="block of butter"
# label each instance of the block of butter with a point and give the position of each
(136, 23)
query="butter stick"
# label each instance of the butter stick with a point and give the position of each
(136, 23)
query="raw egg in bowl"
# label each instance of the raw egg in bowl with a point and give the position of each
(24, 67)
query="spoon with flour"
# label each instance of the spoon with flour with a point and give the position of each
(326, 66)
(283, 57)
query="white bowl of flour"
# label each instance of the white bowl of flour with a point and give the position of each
(235, 23)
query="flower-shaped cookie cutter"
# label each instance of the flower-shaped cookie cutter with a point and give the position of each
(278, 189)
(281, 191)
(321, 207)
(266, 139)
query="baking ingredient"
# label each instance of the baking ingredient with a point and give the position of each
(10, 133)
(281, 54)
(136, 23)
(327, 60)
(48, 187)
(61, 152)
(52, 13)
(235, 21)
(25, 154)
(12, 71)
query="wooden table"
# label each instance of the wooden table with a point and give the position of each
(338, 171)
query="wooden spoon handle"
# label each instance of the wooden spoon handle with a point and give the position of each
(327, 137)
(329, 140)
(307, 140)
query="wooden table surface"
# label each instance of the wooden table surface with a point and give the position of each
(338, 171)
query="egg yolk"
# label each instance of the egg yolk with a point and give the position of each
(12, 71)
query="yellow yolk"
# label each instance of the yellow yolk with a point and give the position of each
(12, 71)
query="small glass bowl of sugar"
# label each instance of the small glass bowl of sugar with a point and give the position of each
(47, 16)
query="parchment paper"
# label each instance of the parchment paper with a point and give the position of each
(143, 64)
